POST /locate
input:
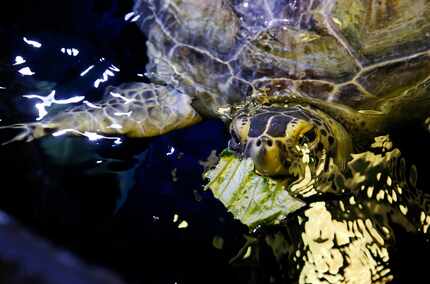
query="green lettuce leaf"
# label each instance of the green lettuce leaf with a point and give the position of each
(252, 199)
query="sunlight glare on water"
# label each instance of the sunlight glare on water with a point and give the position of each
(49, 100)
(26, 71)
(19, 60)
(90, 135)
(32, 43)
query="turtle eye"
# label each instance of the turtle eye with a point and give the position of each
(308, 137)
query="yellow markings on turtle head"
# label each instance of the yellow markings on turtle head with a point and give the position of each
(307, 37)
(298, 128)
(337, 22)
(370, 111)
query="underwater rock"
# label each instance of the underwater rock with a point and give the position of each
(26, 258)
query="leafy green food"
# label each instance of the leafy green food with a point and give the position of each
(252, 199)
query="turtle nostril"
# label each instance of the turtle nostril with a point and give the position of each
(258, 143)
(269, 143)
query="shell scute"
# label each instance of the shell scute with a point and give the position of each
(381, 30)
(299, 55)
(395, 78)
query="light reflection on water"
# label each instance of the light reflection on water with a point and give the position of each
(70, 51)
(49, 100)
(32, 43)
(19, 60)
(102, 72)
(53, 95)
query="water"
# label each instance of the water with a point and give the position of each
(137, 207)
(112, 205)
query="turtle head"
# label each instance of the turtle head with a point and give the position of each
(275, 138)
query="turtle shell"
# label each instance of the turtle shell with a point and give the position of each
(354, 52)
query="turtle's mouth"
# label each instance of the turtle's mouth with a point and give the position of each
(271, 161)
(299, 171)
(268, 158)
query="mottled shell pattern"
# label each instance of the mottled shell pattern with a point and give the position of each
(354, 52)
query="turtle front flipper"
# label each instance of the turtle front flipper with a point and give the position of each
(28, 131)
(132, 110)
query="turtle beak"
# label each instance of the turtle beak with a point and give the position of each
(266, 157)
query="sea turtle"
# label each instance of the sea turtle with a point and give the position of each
(332, 74)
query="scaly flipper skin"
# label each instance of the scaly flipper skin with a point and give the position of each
(132, 110)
